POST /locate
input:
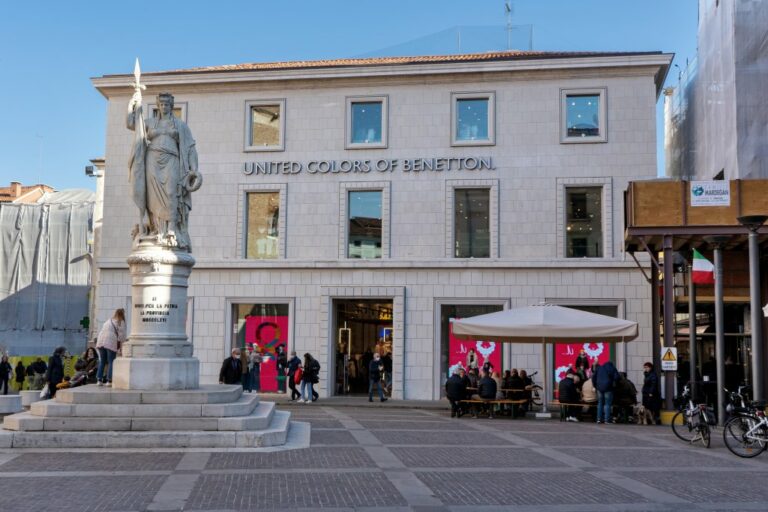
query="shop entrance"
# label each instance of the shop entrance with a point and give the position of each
(362, 327)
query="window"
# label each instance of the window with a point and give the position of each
(262, 327)
(472, 119)
(265, 125)
(583, 115)
(471, 223)
(367, 122)
(179, 110)
(263, 234)
(584, 222)
(364, 233)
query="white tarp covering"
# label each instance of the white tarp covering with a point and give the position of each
(545, 323)
(45, 273)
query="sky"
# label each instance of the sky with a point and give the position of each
(54, 120)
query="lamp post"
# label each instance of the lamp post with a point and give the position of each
(753, 224)
(719, 243)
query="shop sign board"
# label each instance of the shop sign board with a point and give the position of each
(710, 193)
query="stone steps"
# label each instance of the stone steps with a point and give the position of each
(92, 394)
(242, 407)
(275, 434)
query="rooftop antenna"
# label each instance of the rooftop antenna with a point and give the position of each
(509, 8)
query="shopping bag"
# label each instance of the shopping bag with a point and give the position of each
(298, 375)
(45, 393)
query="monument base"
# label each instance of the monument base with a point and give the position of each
(156, 373)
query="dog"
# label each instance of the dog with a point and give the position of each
(643, 416)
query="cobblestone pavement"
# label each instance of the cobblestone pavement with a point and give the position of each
(387, 458)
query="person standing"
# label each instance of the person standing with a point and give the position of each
(471, 360)
(55, 373)
(245, 372)
(231, 369)
(374, 377)
(310, 377)
(651, 393)
(255, 367)
(604, 378)
(568, 396)
(111, 336)
(20, 371)
(455, 390)
(293, 365)
(282, 367)
(5, 374)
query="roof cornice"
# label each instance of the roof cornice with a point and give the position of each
(121, 84)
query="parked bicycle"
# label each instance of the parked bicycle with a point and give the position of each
(746, 433)
(534, 392)
(692, 422)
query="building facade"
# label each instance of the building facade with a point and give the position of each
(355, 206)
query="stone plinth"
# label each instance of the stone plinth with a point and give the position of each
(10, 404)
(158, 354)
(29, 397)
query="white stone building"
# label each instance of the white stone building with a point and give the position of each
(392, 193)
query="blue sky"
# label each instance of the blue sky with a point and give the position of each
(54, 120)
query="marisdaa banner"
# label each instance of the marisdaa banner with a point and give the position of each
(265, 333)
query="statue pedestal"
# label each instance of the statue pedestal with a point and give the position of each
(158, 355)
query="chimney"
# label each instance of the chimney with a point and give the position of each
(15, 189)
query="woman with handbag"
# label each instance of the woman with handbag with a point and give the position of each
(294, 365)
(111, 336)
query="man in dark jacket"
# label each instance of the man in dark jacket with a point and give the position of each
(231, 369)
(455, 390)
(626, 397)
(567, 394)
(604, 378)
(55, 372)
(486, 390)
(282, 367)
(651, 393)
(374, 377)
(293, 364)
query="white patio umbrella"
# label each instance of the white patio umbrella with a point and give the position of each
(542, 324)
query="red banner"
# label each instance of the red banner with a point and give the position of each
(458, 350)
(566, 354)
(265, 333)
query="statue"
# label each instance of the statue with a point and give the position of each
(162, 170)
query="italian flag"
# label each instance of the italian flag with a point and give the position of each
(703, 269)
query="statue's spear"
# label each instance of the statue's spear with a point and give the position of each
(138, 87)
(136, 167)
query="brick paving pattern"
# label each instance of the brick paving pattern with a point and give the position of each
(295, 490)
(381, 458)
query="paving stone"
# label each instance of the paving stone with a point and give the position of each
(578, 437)
(398, 437)
(58, 461)
(707, 486)
(293, 490)
(641, 457)
(415, 425)
(350, 457)
(332, 437)
(495, 488)
(458, 456)
(56, 494)
(320, 422)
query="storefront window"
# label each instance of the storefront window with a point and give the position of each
(472, 235)
(454, 352)
(263, 328)
(262, 235)
(365, 218)
(584, 222)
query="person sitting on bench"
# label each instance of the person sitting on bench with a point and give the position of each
(568, 394)
(486, 390)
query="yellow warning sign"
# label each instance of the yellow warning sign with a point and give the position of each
(669, 359)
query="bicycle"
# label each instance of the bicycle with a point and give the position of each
(536, 391)
(692, 421)
(746, 433)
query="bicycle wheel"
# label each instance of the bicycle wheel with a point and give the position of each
(682, 427)
(705, 434)
(736, 439)
(536, 395)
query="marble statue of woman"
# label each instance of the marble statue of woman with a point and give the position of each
(163, 172)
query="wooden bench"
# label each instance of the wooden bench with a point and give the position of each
(559, 404)
(473, 403)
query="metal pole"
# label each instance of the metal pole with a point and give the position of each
(719, 335)
(655, 317)
(669, 318)
(544, 378)
(692, 330)
(756, 315)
